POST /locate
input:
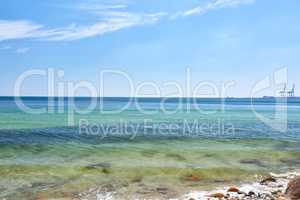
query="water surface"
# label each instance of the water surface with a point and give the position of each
(42, 155)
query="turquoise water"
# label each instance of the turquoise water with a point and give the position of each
(133, 152)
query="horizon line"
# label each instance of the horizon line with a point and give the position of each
(140, 97)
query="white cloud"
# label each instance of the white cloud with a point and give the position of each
(111, 21)
(108, 22)
(107, 18)
(211, 5)
(22, 50)
(17, 29)
(91, 7)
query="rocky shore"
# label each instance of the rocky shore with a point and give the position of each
(273, 187)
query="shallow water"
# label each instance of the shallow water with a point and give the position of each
(42, 156)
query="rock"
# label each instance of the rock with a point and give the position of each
(233, 189)
(251, 194)
(268, 196)
(217, 195)
(268, 180)
(293, 189)
(242, 193)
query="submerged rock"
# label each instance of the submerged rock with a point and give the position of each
(137, 179)
(41, 184)
(252, 162)
(219, 181)
(98, 165)
(105, 171)
(192, 178)
(293, 189)
(176, 156)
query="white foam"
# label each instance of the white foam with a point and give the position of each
(104, 196)
(257, 188)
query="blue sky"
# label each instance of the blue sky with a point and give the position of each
(150, 40)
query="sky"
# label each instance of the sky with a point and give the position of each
(153, 42)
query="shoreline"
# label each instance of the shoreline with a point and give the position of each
(265, 188)
(268, 188)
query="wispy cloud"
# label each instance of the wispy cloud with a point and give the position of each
(17, 29)
(98, 7)
(211, 5)
(111, 22)
(107, 18)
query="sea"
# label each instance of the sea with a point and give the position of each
(62, 147)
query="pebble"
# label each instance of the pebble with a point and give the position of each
(270, 188)
(273, 187)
